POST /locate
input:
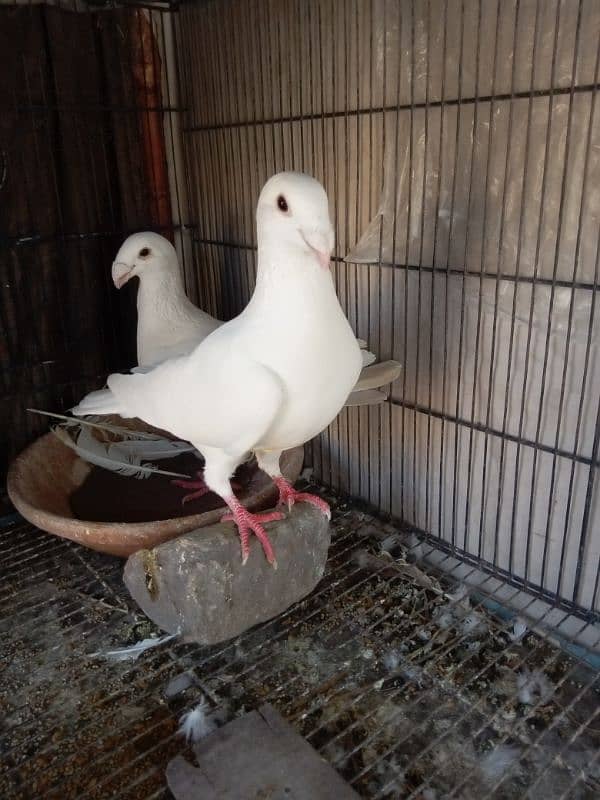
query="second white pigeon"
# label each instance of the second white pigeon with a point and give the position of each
(169, 324)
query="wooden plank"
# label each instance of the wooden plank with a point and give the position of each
(256, 756)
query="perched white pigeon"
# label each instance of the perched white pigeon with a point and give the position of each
(268, 380)
(169, 324)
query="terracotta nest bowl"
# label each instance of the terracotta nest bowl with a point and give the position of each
(43, 477)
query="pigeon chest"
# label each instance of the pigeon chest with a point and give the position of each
(318, 373)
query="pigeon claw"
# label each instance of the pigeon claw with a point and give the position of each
(199, 485)
(248, 523)
(289, 496)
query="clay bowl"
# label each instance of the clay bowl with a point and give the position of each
(43, 477)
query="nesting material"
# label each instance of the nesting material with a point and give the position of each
(197, 585)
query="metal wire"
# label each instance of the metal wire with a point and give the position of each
(120, 703)
(438, 426)
(251, 87)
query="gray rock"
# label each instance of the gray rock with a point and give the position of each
(196, 584)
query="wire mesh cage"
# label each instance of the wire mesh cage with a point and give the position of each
(459, 144)
(90, 151)
(458, 141)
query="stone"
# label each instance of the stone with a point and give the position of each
(197, 585)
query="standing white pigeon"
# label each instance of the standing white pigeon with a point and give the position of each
(169, 324)
(268, 380)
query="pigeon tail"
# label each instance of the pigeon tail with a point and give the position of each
(101, 402)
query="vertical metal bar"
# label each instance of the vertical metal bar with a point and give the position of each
(587, 508)
(573, 280)
(250, 53)
(291, 43)
(519, 241)
(256, 26)
(195, 197)
(551, 301)
(496, 301)
(404, 505)
(450, 231)
(215, 159)
(353, 297)
(463, 287)
(370, 214)
(227, 86)
(278, 9)
(582, 393)
(335, 194)
(408, 241)
(393, 254)
(347, 413)
(324, 161)
(434, 254)
(299, 39)
(420, 261)
(311, 129)
(378, 410)
(490, 141)
(515, 292)
(245, 109)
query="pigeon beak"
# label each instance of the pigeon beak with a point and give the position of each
(321, 244)
(120, 273)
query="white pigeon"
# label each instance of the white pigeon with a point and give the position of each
(169, 324)
(270, 379)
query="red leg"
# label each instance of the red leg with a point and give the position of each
(288, 495)
(199, 485)
(251, 523)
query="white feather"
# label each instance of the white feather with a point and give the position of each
(145, 450)
(109, 455)
(367, 357)
(519, 630)
(91, 422)
(499, 761)
(197, 723)
(534, 687)
(132, 652)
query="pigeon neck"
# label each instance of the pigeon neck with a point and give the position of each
(157, 287)
(290, 275)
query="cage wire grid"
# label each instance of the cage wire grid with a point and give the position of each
(387, 669)
(89, 99)
(458, 142)
(435, 127)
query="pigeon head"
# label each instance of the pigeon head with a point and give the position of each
(143, 253)
(293, 213)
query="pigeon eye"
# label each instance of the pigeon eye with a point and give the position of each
(145, 251)
(282, 204)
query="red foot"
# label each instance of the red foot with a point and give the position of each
(251, 523)
(288, 495)
(200, 487)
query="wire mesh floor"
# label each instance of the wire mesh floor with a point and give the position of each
(400, 678)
